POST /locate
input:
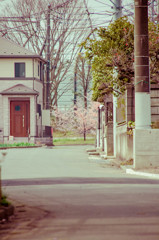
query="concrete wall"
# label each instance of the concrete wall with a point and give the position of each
(1, 112)
(109, 139)
(124, 143)
(146, 148)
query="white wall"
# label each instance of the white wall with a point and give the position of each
(38, 86)
(146, 148)
(6, 113)
(7, 72)
(5, 84)
(35, 64)
(124, 143)
(1, 112)
(7, 67)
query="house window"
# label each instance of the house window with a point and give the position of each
(19, 69)
(41, 71)
(38, 70)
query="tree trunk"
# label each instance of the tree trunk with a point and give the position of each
(85, 99)
(0, 186)
(84, 133)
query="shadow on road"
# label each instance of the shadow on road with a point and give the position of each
(73, 180)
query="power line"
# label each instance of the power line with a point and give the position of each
(71, 28)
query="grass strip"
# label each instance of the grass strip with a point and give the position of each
(16, 145)
(68, 141)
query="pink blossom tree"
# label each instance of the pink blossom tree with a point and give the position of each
(86, 118)
(63, 120)
(77, 119)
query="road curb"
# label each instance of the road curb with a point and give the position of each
(97, 157)
(6, 212)
(144, 174)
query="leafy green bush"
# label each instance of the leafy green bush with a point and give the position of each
(4, 202)
(22, 144)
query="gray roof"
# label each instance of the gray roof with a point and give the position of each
(19, 89)
(9, 49)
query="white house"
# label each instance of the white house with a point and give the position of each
(21, 93)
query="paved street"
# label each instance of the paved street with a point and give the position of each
(62, 194)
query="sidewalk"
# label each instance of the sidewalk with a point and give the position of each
(152, 172)
(148, 172)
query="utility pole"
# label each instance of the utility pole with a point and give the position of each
(152, 10)
(157, 8)
(75, 84)
(117, 14)
(117, 9)
(142, 82)
(48, 60)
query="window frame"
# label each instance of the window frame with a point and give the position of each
(39, 70)
(19, 70)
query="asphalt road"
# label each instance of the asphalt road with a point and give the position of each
(61, 194)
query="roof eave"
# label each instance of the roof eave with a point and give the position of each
(24, 56)
(2, 93)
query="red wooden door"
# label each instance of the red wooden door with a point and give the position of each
(19, 118)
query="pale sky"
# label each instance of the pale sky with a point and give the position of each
(101, 10)
(104, 11)
(101, 13)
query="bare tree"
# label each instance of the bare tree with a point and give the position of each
(71, 30)
(83, 78)
(25, 22)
